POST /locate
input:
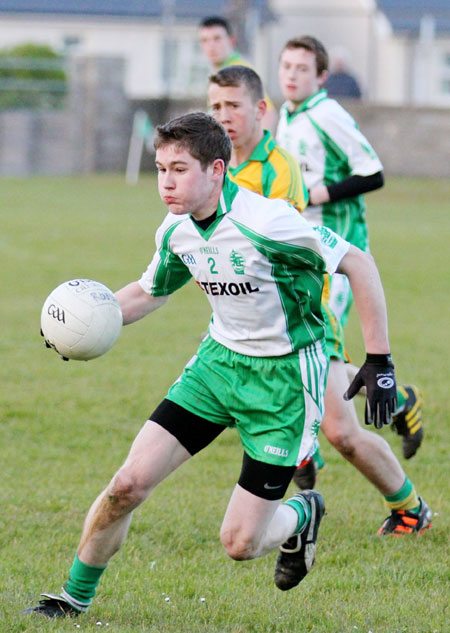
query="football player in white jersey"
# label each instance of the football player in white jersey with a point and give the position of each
(339, 166)
(261, 369)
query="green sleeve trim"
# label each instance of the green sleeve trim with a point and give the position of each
(282, 251)
(337, 166)
(307, 104)
(297, 193)
(300, 295)
(268, 177)
(171, 274)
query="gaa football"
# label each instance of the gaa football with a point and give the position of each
(81, 319)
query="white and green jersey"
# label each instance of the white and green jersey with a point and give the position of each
(327, 143)
(260, 265)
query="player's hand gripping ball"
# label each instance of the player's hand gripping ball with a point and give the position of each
(81, 319)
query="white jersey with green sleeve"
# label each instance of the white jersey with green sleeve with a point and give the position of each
(261, 266)
(327, 143)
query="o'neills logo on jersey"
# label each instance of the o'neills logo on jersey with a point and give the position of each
(276, 450)
(209, 250)
(218, 288)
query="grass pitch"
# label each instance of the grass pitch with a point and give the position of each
(66, 427)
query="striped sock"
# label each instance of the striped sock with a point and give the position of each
(404, 499)
(303, 509)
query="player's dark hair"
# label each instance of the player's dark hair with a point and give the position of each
(310, 44)
(202, 136)
(216, 20)
(237, 76)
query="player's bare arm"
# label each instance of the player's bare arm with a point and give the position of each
(136, 303)
(377, 373)
(319, 195)
(370, 302)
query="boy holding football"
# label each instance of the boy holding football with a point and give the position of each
(261, 369)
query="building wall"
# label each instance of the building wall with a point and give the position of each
(139, 42)
(93, 133)
(393, 77)
(411, 141)
(391, 68)
(432, 63)
(35, 143)
(90, 134)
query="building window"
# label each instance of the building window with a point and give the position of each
(446, 86)
(445, 74)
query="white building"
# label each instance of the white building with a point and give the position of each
(398, 49)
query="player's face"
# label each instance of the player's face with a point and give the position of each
(216, 44)
(298, 76)
(183, 185)
(240, 116)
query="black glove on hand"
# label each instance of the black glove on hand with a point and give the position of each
(377, 375)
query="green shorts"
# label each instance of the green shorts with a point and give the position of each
(341, 297)
(334, 331)
(276, 403)
(334, 334)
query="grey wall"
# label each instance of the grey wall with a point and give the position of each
(100, 115)
(90, 134)
(93, 132)
(34, 142)
(409, 141)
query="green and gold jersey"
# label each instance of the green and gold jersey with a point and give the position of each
(329, 147)
(260, 265)
(236, 59)
(272, 172)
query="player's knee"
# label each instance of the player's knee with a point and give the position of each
(341, 437)
(126, 491)
(237, 545)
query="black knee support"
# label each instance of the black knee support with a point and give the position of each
(192, 431)
(267, 481)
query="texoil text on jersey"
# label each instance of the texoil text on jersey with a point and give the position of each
(218, 288)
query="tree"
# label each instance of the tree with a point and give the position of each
(31, 76)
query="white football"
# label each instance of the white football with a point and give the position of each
(81, 319)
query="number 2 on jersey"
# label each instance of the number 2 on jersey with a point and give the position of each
(212, 266)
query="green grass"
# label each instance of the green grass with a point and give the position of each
(66, 427)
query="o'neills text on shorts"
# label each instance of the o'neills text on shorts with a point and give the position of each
(276, 450)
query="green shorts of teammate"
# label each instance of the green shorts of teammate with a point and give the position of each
(276, 403)
(334, 334)
(341, 297)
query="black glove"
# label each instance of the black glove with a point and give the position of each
(378, 377)
(48, 345)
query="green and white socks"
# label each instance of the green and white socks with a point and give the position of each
(303, 510)
(79, 590)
